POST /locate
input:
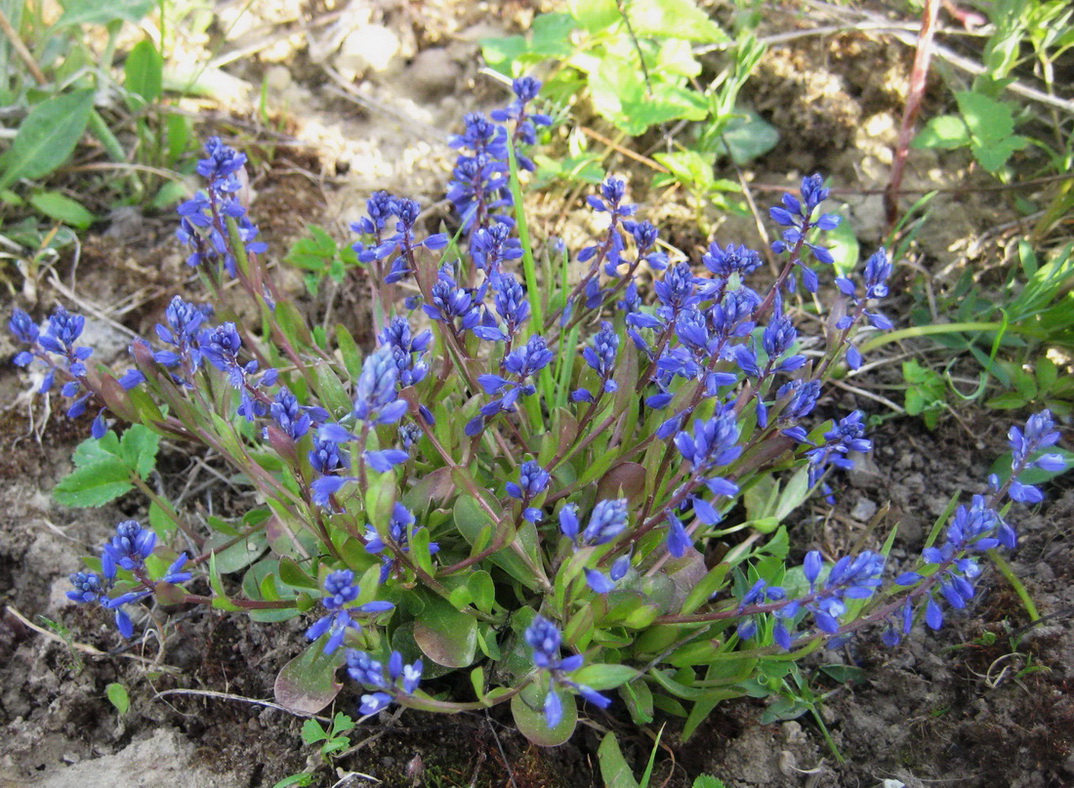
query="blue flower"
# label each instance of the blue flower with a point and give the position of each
(511, 304)
(522, 363)
(797, 216)
(184, 321)
(605, 583)
(607, 520)
(128, 549)
(326, 457)
(714, 443)
(375, 393)
(451, 302)
(408, 350)
(221, 346)
(801, 398)
(399, 530)
(533, 480)
(380, 207)
(600, 357)
(389, 682)
(544, 638)
(403, 244)
(493, 246)
(220, 161)
(846, 436)
(877, 271)
(1040, 433)
(340, 591)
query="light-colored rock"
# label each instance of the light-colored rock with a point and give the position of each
(373, 48)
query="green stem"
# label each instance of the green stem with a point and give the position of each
(1016, 584)
(942, 328)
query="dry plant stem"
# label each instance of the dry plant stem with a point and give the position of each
(918, 77)
(12, 35)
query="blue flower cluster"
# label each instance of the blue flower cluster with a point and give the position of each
(400, 528)
(55, 346)
(947, 571)
(546, 641)
(127, 550)
(203, 224)
(388, 682)
(340, 591)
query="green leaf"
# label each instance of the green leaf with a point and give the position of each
(614, 769)
(138, 448)
(594, 15)
(144, 71)
(348, 348)
(92, 450)
(312, 732)
(117, 695)
(708, 781)
(674, 19)
(946, 132)
(63, 209)
(473, 522)
(995, 154)
(93, 12)
(604, 677)
(445, 635)
(844, 246)
(1047, 373)
(988, 121)
(239, 555)
(502, 53)
(528, 710)
(1007, 401)
(94, 485)
(48, 136)
(550, 35)
(750, 137)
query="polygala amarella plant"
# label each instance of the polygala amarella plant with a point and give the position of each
(522, 476)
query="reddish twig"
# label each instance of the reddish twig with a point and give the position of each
(918, 78)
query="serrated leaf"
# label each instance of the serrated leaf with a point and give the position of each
(92, 450)
(995, 154)
(94, 485)
(312, 732)
(988, 120)
(946, 132)
(47, 136)
(138, 447)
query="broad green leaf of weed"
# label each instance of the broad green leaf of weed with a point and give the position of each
(47, 136)
(144, 72)
(94, 12)
(674, 19)
(63, 209)
(946, 132)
